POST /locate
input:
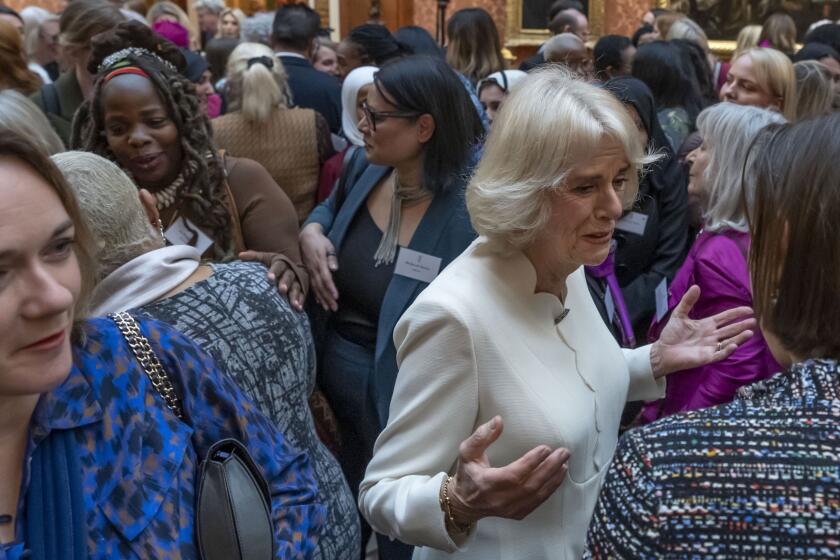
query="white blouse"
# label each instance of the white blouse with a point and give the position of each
(479, 342)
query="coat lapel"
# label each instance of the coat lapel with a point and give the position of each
(355, 197)
(402, 290)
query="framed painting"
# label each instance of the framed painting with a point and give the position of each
(721, 19)
(527, 25)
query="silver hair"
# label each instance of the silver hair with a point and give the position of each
(257, 28)
(728, 131)
(19, 114)
(548, 125)
(33, 18)
(215, 6)
(111, 208)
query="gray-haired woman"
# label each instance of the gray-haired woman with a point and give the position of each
(230, 310)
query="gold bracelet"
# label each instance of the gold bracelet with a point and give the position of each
(446, 506)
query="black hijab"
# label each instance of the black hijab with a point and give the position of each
(666, 171)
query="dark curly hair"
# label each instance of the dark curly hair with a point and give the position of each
(204, 192)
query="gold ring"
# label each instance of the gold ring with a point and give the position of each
(719, 347)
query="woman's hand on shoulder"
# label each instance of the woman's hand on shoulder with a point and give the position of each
(281, 273)
(513, 491)
(319, 258)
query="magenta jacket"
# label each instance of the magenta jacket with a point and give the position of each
(717, 263)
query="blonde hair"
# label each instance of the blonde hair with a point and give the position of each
(166, 8)
(814, 89)
(664, 22)
(747, 39)
(235, 12)
(688, 29)
(110, 207)
(549, 124)
(774, 73)
(256, 90)
(22, 116)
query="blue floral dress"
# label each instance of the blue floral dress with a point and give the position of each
(139, 461)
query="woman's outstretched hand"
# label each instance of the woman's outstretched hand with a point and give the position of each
(688, 343)
(479, 490)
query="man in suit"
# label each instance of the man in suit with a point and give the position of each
(565, 16)
(293, 38)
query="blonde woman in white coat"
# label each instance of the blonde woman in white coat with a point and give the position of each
(510, 390)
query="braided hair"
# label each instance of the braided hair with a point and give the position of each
(203, 193)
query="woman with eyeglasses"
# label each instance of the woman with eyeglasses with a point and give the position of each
(396, 218)
(493, 89)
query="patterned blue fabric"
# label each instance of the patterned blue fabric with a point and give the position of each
(139, 461)
(482, 114)
(756, 478)
(478, 149)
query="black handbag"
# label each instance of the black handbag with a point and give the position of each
(233, 505)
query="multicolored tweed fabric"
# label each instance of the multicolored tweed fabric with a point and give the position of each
(755, 478)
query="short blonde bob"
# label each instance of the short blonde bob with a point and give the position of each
(549, 124)
(774, 74)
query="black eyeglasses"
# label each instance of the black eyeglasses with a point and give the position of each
(375, 117)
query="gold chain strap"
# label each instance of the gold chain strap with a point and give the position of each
(142, 350)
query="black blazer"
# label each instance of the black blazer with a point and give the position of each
(444, 231)
(533, 62)
(315, 90)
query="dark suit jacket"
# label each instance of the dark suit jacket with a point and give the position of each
(69, 97)
(312, 89)
(444, 232)
(532, 62)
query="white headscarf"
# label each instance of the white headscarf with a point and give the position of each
(511, 78)
(353, 82)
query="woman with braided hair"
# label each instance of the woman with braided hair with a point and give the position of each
(144, 115)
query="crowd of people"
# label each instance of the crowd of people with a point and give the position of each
(415, 302)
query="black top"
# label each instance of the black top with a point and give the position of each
(361, 285)
(315, 90)
(534, 61)
(642, 261)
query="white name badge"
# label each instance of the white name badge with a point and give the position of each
(661, 294)
(634, 222)
(609, 303)
(184, 232)
(416, 265)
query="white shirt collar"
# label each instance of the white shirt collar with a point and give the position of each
(290, 54)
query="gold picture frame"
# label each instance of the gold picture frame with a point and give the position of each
(516, 36)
